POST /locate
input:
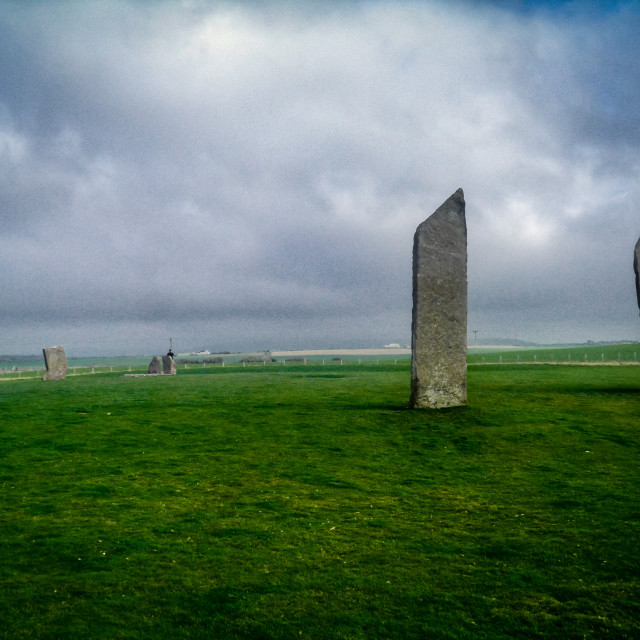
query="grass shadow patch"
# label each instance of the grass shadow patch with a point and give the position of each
(96, 491)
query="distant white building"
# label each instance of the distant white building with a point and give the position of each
(393, 345)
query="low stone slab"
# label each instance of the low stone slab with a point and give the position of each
(55, 361)
(140, 375)
(439, 319)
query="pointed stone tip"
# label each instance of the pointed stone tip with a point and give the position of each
(456, 197)
(455, 200)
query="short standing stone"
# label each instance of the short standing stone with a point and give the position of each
(55, 360)
(636, 268)
(155, 366)
(439, 320)
(168, 366)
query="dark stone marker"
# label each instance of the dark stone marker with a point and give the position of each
(168, 366)
(155, 366)
(55, 360)
(439, 320)
(636, 268)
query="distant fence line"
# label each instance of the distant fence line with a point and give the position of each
(559, 358)
(36, 372)
(485, 359)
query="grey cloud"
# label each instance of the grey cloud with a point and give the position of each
(246, 170)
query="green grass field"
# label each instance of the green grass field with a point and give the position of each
(308, 502)
(574, 354)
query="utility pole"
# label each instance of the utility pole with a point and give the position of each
(475, 337)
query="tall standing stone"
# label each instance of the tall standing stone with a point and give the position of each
(55, 361)
(439, 320)
(636, 268)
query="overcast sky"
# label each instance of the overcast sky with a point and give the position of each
(249, 175)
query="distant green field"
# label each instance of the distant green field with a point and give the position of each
(309, 502)
(104, 364)
(624, 353)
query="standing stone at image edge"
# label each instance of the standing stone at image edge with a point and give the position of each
(636, 268)
(155, 366)
(55, 361)
(439, 320)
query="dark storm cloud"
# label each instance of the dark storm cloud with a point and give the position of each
(251, 174)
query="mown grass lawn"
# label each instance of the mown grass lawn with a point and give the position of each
(310, 503)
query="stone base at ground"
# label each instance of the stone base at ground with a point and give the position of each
(55, 361)
(439, 320)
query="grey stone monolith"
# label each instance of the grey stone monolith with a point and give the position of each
(55, 361)
(168, 366)
(439, 320)
(155, 366)
(636, 268)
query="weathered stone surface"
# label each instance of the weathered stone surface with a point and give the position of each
(55, 360)
(636, 268)
(155, 366)
(168, 366)
(439, 320)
